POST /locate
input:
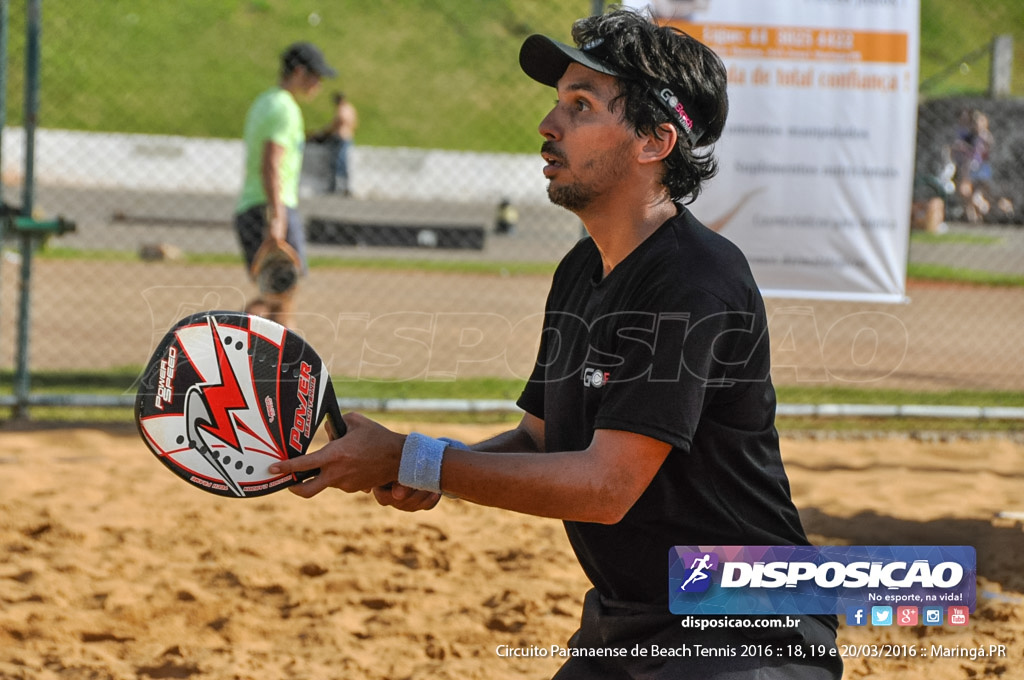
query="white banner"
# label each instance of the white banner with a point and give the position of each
(817, 158)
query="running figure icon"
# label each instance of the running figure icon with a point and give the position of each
(698, 569)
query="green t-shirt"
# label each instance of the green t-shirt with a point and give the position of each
(275, 116)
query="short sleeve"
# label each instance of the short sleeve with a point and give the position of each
(276, 122)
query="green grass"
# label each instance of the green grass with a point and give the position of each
(119, 380)
(848, 425)
(488, 267)
(951, 29)
(437, 74)
(937, 272)
(440, 74)
(851, 395)
(915, 270)
(114, 381)
(494, 268)
(955, 239)
(122, 381)
(51, 252)
(123, 418)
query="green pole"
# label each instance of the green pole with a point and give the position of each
(4, 14)
(32, 30)
(22, 380)
(3, 113)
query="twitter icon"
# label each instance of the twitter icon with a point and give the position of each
(881, 616)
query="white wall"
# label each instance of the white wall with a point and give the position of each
(169, 163)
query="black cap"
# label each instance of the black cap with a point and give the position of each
(308, 55)
(545, 60)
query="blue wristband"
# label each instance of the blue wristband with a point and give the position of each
(420, 467)
(454, 443)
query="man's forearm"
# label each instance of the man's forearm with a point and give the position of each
(517, 439)
(270, 170)
(598, 484)
(565, 485)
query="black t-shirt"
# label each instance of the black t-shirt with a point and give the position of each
(672, 344)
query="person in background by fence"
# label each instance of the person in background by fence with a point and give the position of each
(340, 135)
(275, 136)
(649, 416)
(506, 218)
(971, 152)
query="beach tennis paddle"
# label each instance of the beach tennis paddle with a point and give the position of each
(275, 268)
(227, 394)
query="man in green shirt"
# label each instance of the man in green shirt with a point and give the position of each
(267, 210)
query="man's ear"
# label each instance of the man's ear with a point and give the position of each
(659, 144)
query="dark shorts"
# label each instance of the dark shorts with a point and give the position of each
(672, 651)
(251, 226)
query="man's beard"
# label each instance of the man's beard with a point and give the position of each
(573, 197)
(603, 171)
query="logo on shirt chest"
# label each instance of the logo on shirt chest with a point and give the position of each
(595, 377)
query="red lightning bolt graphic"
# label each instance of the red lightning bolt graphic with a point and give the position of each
(222, 398)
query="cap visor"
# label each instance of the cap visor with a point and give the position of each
(545, 60)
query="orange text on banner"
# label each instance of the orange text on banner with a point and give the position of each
(796, 42)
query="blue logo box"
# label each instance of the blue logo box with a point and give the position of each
(818, 580)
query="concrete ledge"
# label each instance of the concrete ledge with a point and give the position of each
(167, 163)
(443, 236)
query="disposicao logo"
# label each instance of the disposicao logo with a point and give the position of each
(818, 580)
(698, 574)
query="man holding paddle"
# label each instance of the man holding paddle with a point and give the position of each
(266, 217)
(649, 417)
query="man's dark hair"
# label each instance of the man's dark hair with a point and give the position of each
(308, 56)
(649, 56)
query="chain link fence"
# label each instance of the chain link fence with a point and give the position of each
(435, 265)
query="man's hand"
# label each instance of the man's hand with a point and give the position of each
(367, 456)
(277, 228)
(405, 498)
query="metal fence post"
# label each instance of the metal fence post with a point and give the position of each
(4, 17)
(22, 380)
(1001, 70)
(4, 14)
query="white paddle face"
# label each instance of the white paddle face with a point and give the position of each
(227, 394)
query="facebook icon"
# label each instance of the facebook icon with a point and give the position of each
(856, 616)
